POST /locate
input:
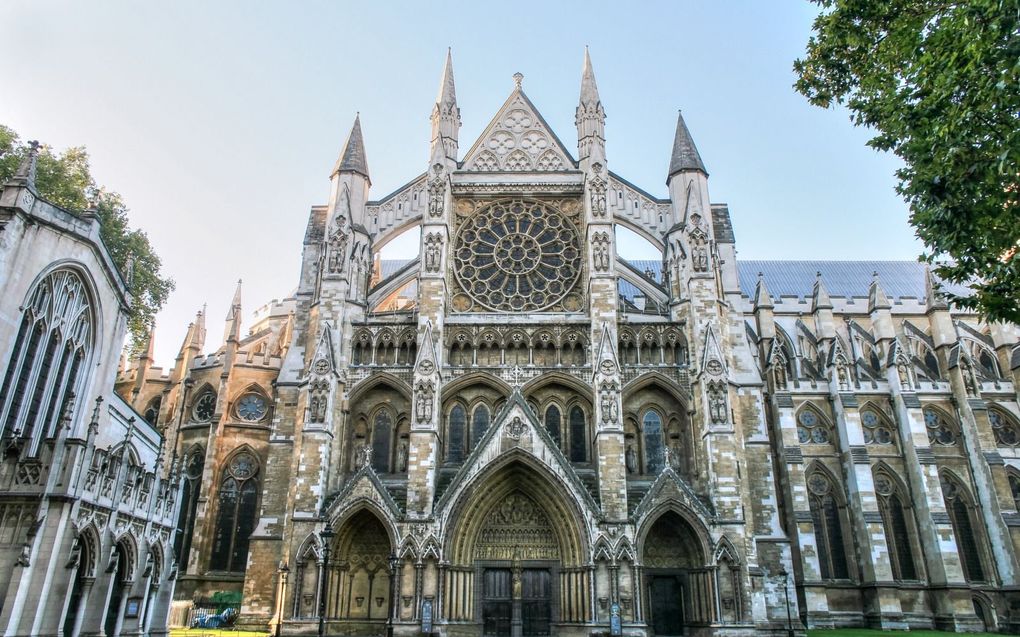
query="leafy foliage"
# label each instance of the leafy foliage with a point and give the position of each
(65, 180)
(938, 82)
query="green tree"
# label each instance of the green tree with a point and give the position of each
(938, 83)
(65, 180)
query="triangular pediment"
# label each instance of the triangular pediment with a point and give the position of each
(670, 486)
(518, 139)
(516, 431)
(364, 486)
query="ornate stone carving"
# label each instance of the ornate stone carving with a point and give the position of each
(517, 529)
(318, 400)
(609, 404)
(516, 428)
(698, 241)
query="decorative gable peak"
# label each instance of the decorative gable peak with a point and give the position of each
(820, 295)
(606, 364)
(518, 139)
(352, 157)
(323, 360)
(427, 362)
(877, 298)
(712, 359)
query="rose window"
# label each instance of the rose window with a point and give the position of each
(517, 256)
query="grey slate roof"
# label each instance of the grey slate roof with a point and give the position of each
(899, 279)
(685, 153)
(352, 157)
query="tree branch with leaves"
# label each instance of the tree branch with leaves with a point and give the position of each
(939, 83)
(65, 180)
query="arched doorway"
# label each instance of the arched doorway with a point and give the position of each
(84, 576)
(516, 567)
(115, 608)
(678, 590)
(358, 585)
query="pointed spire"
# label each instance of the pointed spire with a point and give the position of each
(820, 296)
(877, 298)
(762, 298)
(352, 157)
(150, 345)
(932, 298)
(685, 154)
(26, 171)
(447, 96)
(589, 89)
(233, 327)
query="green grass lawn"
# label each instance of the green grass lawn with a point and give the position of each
(866, 632)
(214, 632)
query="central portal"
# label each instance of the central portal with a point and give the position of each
(509, 594)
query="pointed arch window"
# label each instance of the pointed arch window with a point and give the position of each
(479, 424)
(235, 519)
(45, 369)
(1014, 488)
(828, 523)
(877, 430)
(382, 429)
(652, 432)
(896, 520)
(152, 411)
(1005, 428)
(811, 428)
(456, 427)
(578, 435)
(941, 431)
(961, 516)
(988, 365)
(552, 422)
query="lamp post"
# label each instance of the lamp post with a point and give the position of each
(786, 590)
(326, 535)
(283, 588)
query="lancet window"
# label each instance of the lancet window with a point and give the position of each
(896, 518)
(828, 523)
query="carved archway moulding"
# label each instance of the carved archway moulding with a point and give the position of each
(516, 504)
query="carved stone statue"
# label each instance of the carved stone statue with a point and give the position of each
(600, 252)
(842, 375)
(437, 191)
(717, 402)
(779, 374)
(630, 458)
(904, 374)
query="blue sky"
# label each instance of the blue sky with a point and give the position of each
(219, 122)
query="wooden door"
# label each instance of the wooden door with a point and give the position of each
(666, 601)
(497, 603)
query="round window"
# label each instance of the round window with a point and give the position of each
(204, 407)
(252, 407)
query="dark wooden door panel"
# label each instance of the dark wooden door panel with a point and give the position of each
(666, 597)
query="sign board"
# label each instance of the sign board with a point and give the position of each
(615, 624)
(426, 616)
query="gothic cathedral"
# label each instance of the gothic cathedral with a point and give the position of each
(519, 433)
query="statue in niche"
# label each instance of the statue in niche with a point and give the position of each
(433, 252)
(699, 257)
(630, 458)
(598, 191)
(600, 252)
(969, 383)
(779, 373)
(842, 374)
(437, 191)
(717, 403)
(362, 454)
(904, 373)
(423, 403)
(402, 450)
(337, 246)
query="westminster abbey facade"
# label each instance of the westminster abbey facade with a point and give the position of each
(518, 433)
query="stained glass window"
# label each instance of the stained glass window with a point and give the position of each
(552, 422)
(578, 435)
(828, 528)
(1007, 434)
(653, 442)
(235, 519)
(876, 430)
(940, 430)
(456, 427)
(381, 441)
(479, 424)
(517, 256)
(811, 428)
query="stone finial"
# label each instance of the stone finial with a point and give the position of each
(26, 171)
(877, 298)
(518, 79)
(820, 295)
(762, 298)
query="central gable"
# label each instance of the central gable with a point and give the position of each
(518, 139)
